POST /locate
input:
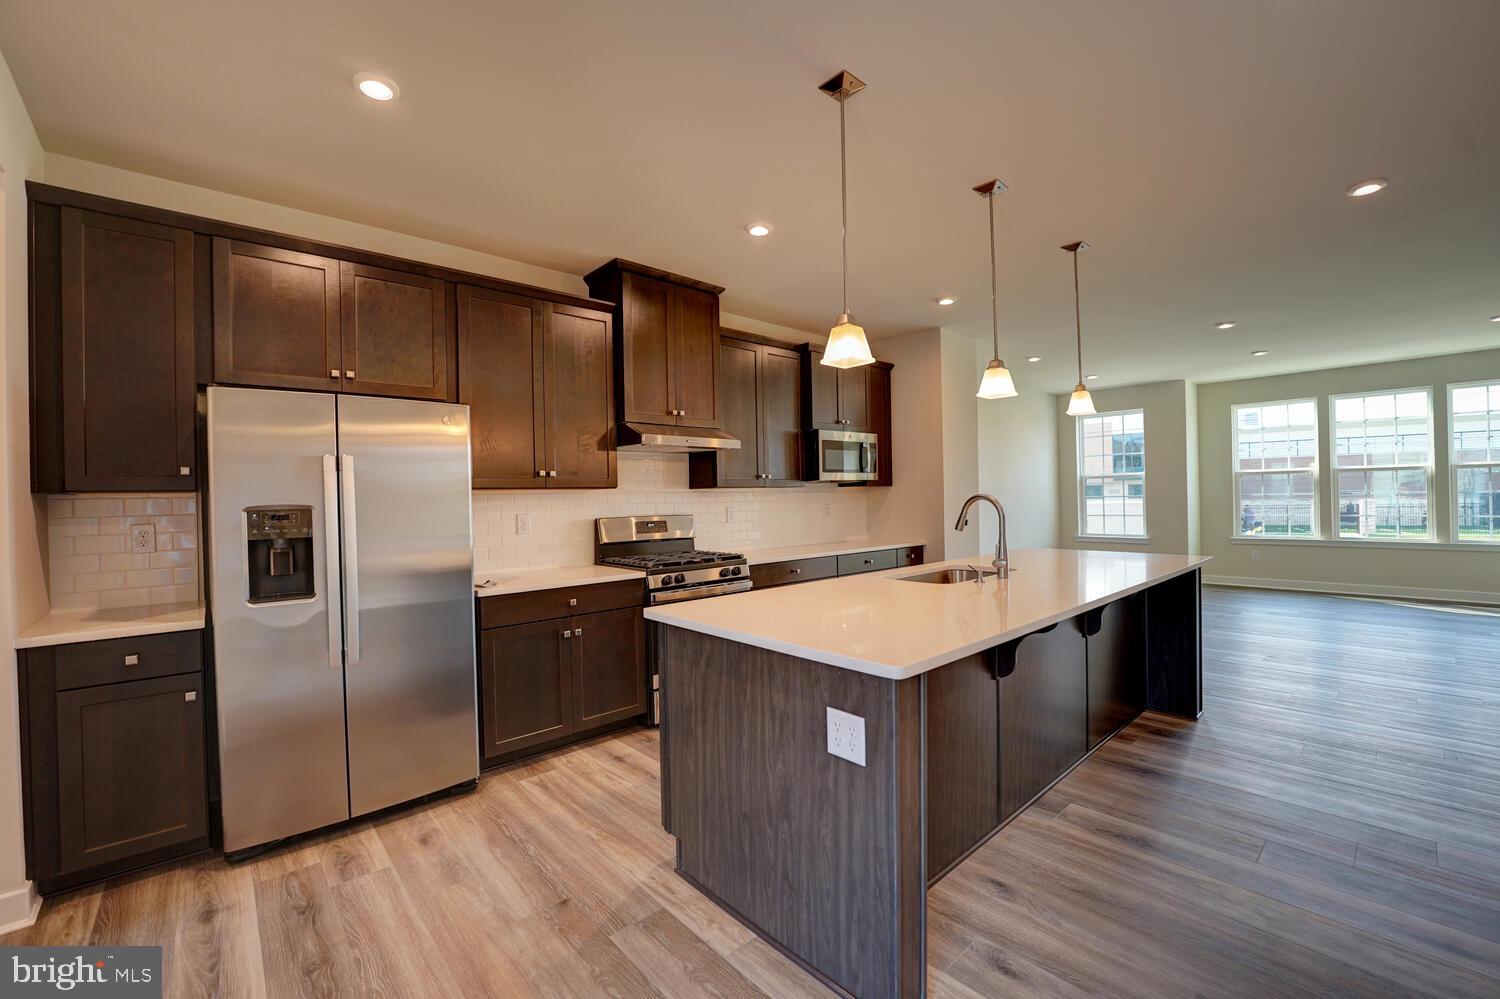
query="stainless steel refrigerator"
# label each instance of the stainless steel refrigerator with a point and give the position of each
(342, 604)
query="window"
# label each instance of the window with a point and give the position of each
(1474, 413)
(1382, 456)
(1112, 475)
(1276, 469)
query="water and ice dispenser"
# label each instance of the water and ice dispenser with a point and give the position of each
(278, 553)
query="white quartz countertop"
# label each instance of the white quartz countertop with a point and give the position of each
(527, 580)
(94, 624)
(881, 624)
(789, 553)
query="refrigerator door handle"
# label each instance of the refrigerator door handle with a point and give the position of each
(351, 562)
(331, 556)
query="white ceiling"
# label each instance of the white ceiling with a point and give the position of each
(1201, 147)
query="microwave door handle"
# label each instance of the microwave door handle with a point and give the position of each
(864, 457)
(331, 559)
(351, 561)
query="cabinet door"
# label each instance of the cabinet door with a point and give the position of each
(824, 395)
(1117, 666)
(127, 350)
(695, 356)
(396, 339)
(739, 367)
(610, 681)
(130, 769)
(780, 415)
(579, 406)
(963, 766)
(1043, 711)
(854, 398)
(646, 307)
(500, 379)
(276, 317)
(879, 385)
(526, 678)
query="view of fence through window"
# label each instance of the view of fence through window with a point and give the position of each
(1475, 414)
(1382, 450)
(1276, 468)
(1112, 474)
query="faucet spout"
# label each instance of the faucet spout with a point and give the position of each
(1002, 548)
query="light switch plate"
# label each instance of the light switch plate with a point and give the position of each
(523, 524)
(143, 539)
(846, 736)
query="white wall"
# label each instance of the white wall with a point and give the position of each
(960, 443)
(1017, 442)
(22, 586)
(912, 508)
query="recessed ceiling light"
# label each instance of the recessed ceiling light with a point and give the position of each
(377, 87)
(1092, 377)
(758, 229)
(1365, 188)
(1495, 319)
(1033, 360)
(1259, 353)
(1225, 326)
(945, 300)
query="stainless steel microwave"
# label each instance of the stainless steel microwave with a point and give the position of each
(845, 456)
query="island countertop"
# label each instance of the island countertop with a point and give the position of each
(881, 624)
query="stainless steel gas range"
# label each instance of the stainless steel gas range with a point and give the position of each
(662, 547)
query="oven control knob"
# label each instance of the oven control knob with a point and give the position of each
(679, 578)
(736, 571)
(723, 572)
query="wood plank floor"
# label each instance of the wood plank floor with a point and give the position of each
(1330, 827)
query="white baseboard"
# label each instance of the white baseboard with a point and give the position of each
(18, 908)
(1358, 589)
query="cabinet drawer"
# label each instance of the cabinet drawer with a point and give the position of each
(89, 664)
(914, 555)
(564, 601)
(867, 561)
(796, 571)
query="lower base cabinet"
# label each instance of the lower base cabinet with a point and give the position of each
(1043, 711)
(115, 768)
(543, 682)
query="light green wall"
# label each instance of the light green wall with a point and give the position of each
(1350, 566)
(1171, 493)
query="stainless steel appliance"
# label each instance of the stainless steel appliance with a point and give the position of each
(663, 548)
(845, 455)
(341, 600)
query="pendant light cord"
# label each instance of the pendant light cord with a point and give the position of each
(994, 298)
(1077, 317)
(844, 188)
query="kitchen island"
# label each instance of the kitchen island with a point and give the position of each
(969, 699)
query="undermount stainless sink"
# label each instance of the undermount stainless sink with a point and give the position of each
(951, 576)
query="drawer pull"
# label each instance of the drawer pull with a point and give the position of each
(132, 660)
(333, 372)
(349, 375)
(568, 634)
(572, 601)
(869, 561)
(795, 572)
(191, 695)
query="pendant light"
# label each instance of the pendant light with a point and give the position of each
(847, 346)
(996, 383)
(1081, 404)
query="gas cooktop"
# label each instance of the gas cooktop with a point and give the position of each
(662, 547)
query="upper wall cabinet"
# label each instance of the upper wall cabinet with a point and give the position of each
(837, 398)
(760, 388)
(668, 347)
(112, 348)
(284, 319)
(536, 378)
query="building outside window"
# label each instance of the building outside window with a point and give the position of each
(1112, 475)
(1474, 418)
(1382, 456)
(1276, 469)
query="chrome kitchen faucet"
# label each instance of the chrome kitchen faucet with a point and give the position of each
(1002, 550)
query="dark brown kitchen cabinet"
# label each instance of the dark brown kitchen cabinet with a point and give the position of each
(760, 403)
(395, 333)
(879, 386)
(667, 352)
(113, 375)
(536, 378)
(1043, 711)
(1116, 665)
(114, 766)
(836, 398)
(276, 317)
(546, 682)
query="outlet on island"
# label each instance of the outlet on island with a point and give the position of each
(846, 736)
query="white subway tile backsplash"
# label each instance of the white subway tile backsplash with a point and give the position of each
(89, 558)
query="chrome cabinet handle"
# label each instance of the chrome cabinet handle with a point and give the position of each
(541, 473)
(132, 660)
(333, 372)
(568, 634)
(795, 572)
(869, 561)
(349, 374)
(578, 632)
(351, 562)
(552, 473)
(572, 601)
(331, 558)
(191, 695)
(184, 470)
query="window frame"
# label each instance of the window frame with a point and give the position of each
(1236, 472)
(1428, 467)
(1455, 466)
(1079, 476)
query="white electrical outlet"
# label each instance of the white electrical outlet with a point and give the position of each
(846, 736)
(728, 514)
(143, 539)
(1255, 554)
(827, 510)
(523, 523)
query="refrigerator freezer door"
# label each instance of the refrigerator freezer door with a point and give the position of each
(409, 594)
(277, 666)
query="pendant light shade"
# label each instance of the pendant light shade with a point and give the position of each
(996, 383)
(847, 346)
(1081, 404)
